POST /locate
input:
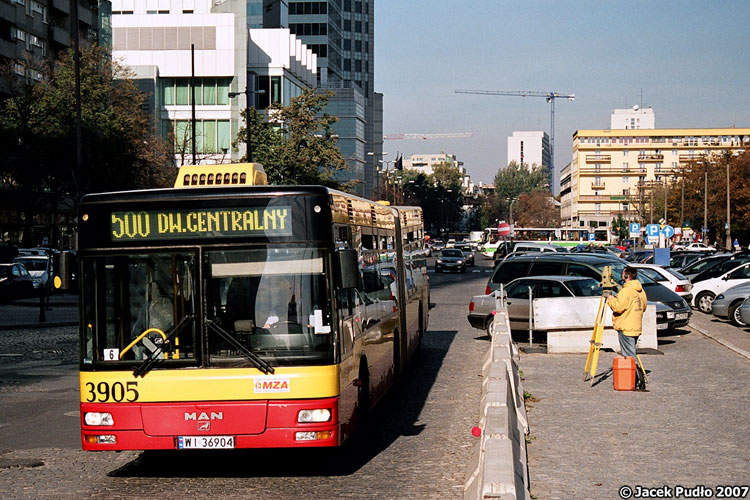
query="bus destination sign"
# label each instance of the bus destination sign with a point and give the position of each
(175, 224)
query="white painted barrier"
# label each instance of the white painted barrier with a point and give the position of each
(570, 323)
(498, 468)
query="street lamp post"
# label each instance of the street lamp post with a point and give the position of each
(385, 164)
(729, 231)
(248, 92)
(383, 154)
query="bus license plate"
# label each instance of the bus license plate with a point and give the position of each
(205, 442)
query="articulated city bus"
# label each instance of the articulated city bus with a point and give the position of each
(243, 316)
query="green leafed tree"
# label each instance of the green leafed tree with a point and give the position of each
(296, 143)
(119, 147)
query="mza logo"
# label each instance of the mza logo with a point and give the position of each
(271, 384)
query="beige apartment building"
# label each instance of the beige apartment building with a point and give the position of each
(612, 170)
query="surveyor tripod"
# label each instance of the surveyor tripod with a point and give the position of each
(608, 285)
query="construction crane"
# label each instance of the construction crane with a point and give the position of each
(427, 136)
(549, 96)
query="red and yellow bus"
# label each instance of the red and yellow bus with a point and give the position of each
(243, 317)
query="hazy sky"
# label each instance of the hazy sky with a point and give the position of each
(688, 59)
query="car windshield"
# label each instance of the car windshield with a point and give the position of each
(33, 264)
(584, 288)
(452, 253)
(676, 274)
(654, 275)
(703, 264)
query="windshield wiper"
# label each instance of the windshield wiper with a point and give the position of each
(147, 363)
(259, 363)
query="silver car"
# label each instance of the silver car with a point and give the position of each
(745, 311)
(727, 304)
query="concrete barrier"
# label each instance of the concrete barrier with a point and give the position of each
(570, 323)
(498, 468)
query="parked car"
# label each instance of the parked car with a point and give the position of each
(745, 311)
(450, 259)
(527, 247)
(698, 266)
(639, 255)
(15, 282)
(668, 277)
(704, 292)
(724, 266)
(727, 304)
(588, 265)
(39, 267)
(482, 307)
(694, 247)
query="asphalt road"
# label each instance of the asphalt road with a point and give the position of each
(416, 445)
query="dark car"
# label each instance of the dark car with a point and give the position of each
(15, 282)
(724, 266)
(590, 266)
(450, 259)
(698, 266)
(639, 255)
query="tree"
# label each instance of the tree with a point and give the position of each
(120, 149)
(537, 209)
(620, 227)
(514, 180)
(296, 143)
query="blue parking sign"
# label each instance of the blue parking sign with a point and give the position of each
(635, 229)
(592, 237)
(652, 230)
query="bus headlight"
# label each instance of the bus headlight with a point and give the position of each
(317, 415)
(97, 418)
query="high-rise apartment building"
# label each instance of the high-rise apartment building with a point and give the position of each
(32, 32)
(529, 148)
(611, 170)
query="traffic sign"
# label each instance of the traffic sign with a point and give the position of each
(652, 230)
(635, 229)
(592, 237)
(503, 229)
(668, 231)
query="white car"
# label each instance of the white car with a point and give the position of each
(704, 292)
(39, 267)
(668, 277)
(695, 247)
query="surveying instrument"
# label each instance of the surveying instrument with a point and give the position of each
(608, 285)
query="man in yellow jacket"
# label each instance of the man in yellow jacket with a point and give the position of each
(628, 307)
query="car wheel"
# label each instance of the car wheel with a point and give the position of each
(489, 327)
(734, 314)
(704, 301)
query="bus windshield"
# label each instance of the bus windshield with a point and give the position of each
(273, 301)
(138, 303)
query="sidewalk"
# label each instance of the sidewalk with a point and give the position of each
(62, 311)
(691, 428)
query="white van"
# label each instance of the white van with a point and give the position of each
(39, 267)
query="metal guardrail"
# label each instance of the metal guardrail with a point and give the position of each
(498, 467)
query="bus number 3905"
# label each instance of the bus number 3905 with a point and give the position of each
(117, 392)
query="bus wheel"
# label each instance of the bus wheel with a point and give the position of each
(363, 393)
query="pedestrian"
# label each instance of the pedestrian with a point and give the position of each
(628, 307)
(736, 245)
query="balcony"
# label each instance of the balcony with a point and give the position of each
(598, 185)
(649, 158)
(690, 158)
(604, 170)
(598, 158)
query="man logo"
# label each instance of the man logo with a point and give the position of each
(204, 416)
(204, 426)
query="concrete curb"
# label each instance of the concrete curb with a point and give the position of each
(723, 342)
(498, 468)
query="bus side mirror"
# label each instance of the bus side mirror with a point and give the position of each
(63, 264)
(346, 263)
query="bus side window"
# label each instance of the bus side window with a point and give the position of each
(226, 178)
(243, 178)
(234, 178)
(210, 179)
(218, 179)
(345, 313)
(186, 180)
(195, 179)
(203, 180)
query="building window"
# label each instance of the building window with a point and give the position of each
(208, 91)
(212, 135)
(626, 180)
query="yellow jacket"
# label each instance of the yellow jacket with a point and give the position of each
(628, 308)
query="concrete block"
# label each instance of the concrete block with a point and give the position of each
(498, 475)
(497, 423)
(474, 469)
